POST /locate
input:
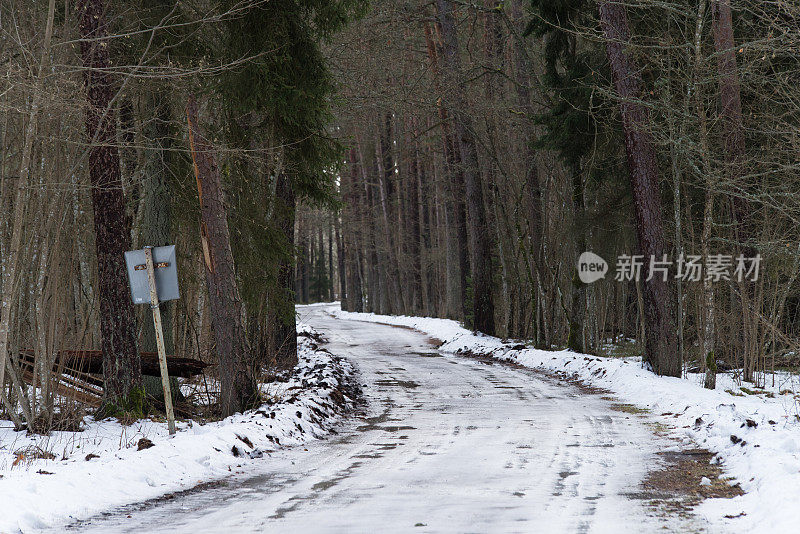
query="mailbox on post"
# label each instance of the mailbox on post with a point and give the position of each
(154, 277)
(166, 274)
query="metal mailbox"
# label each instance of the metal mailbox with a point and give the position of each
(166, 273)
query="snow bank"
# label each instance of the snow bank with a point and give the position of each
(754, 433)
(102, 468)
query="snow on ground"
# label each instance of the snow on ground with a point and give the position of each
(102, 468)
(754, 433)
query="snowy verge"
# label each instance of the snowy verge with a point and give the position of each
(102, 467)
(755, 433)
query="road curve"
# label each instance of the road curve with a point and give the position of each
(449, 444)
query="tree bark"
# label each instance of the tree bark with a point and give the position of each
(340, 260)
(385, 173)
(734, 145)
(321, 268)
(479, 243)
(282, 325)
(302, 265)
(731, 104)
(121, 364)
(427, 196)
(413, 230)
(377, 258)
(351, 236)
(236, 370)
(660, 339)
(155, 221)
(522, 84)
(331, 284)
(576, 338)
(456, 254)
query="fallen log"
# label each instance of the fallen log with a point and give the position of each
(91, 361)
(72, 389)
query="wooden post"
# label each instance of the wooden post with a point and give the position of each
(162, 353)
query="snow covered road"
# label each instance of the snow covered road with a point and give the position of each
(448, 444)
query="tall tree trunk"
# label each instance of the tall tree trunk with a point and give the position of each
(237, 372)
(388, 192)
(372, 267)
(427, 196)
(377, 258)
(734, 150)
(413, 230)
(660, 339)
(303, 261)
(320, 267)
(155, 220)
(281, 312)
(576, 337)
(492, 88)
(122, 371)
(532, 184)
(340, 261)
(330, 262)
(352, 237)
(308, 255)
(731, 103)
(456, 254)
(479, 243)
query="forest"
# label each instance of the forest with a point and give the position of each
(406, 226)
(489, 144)
(443, 159)
(198, 124)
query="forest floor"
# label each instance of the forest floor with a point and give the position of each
(448, 443)
(739, 442)
(49, 481)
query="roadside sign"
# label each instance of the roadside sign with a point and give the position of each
(166, 274)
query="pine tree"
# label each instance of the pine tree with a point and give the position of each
(121, 364)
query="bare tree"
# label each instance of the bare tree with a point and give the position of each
(237, 374)
(479, 245)
(660, 335)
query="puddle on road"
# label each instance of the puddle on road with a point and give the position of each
(408, 384)
(374, 423)
(428, 339)
(388, 428)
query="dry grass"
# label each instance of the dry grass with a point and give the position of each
(675, 488)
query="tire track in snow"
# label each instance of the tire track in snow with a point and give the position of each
(450, 444)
